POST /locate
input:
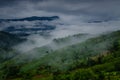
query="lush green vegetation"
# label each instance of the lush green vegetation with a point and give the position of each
(95, 59)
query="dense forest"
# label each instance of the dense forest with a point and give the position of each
(96, 58)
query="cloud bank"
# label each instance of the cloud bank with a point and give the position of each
(74, 16)
(93, 8)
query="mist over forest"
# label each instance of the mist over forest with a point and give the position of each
(59, 40)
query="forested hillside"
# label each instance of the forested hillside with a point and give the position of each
(94, 59)
(7, 41)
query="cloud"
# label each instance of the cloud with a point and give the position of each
(74, 15)
(68, 29)
(93, 8)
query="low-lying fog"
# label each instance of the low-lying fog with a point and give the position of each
(68, 27)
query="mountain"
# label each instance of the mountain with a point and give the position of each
(33, 18)
(24, 31)
(30, 25)
(102, 20)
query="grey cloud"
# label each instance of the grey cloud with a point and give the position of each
(73, 14)
(94, 8)
(94, 29)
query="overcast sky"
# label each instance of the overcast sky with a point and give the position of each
(100, 9)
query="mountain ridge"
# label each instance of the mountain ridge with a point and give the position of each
(32, 18)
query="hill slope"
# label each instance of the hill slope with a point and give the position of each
(8, 40)
(95, 59)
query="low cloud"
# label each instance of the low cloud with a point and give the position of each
(74, 17)
(67, 28)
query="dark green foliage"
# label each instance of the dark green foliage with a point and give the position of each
(95, 59)
(7, 40)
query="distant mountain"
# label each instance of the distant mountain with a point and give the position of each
(33, 18)
(101, 20)
(27, 31)
(8, 40)
(29, 25)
